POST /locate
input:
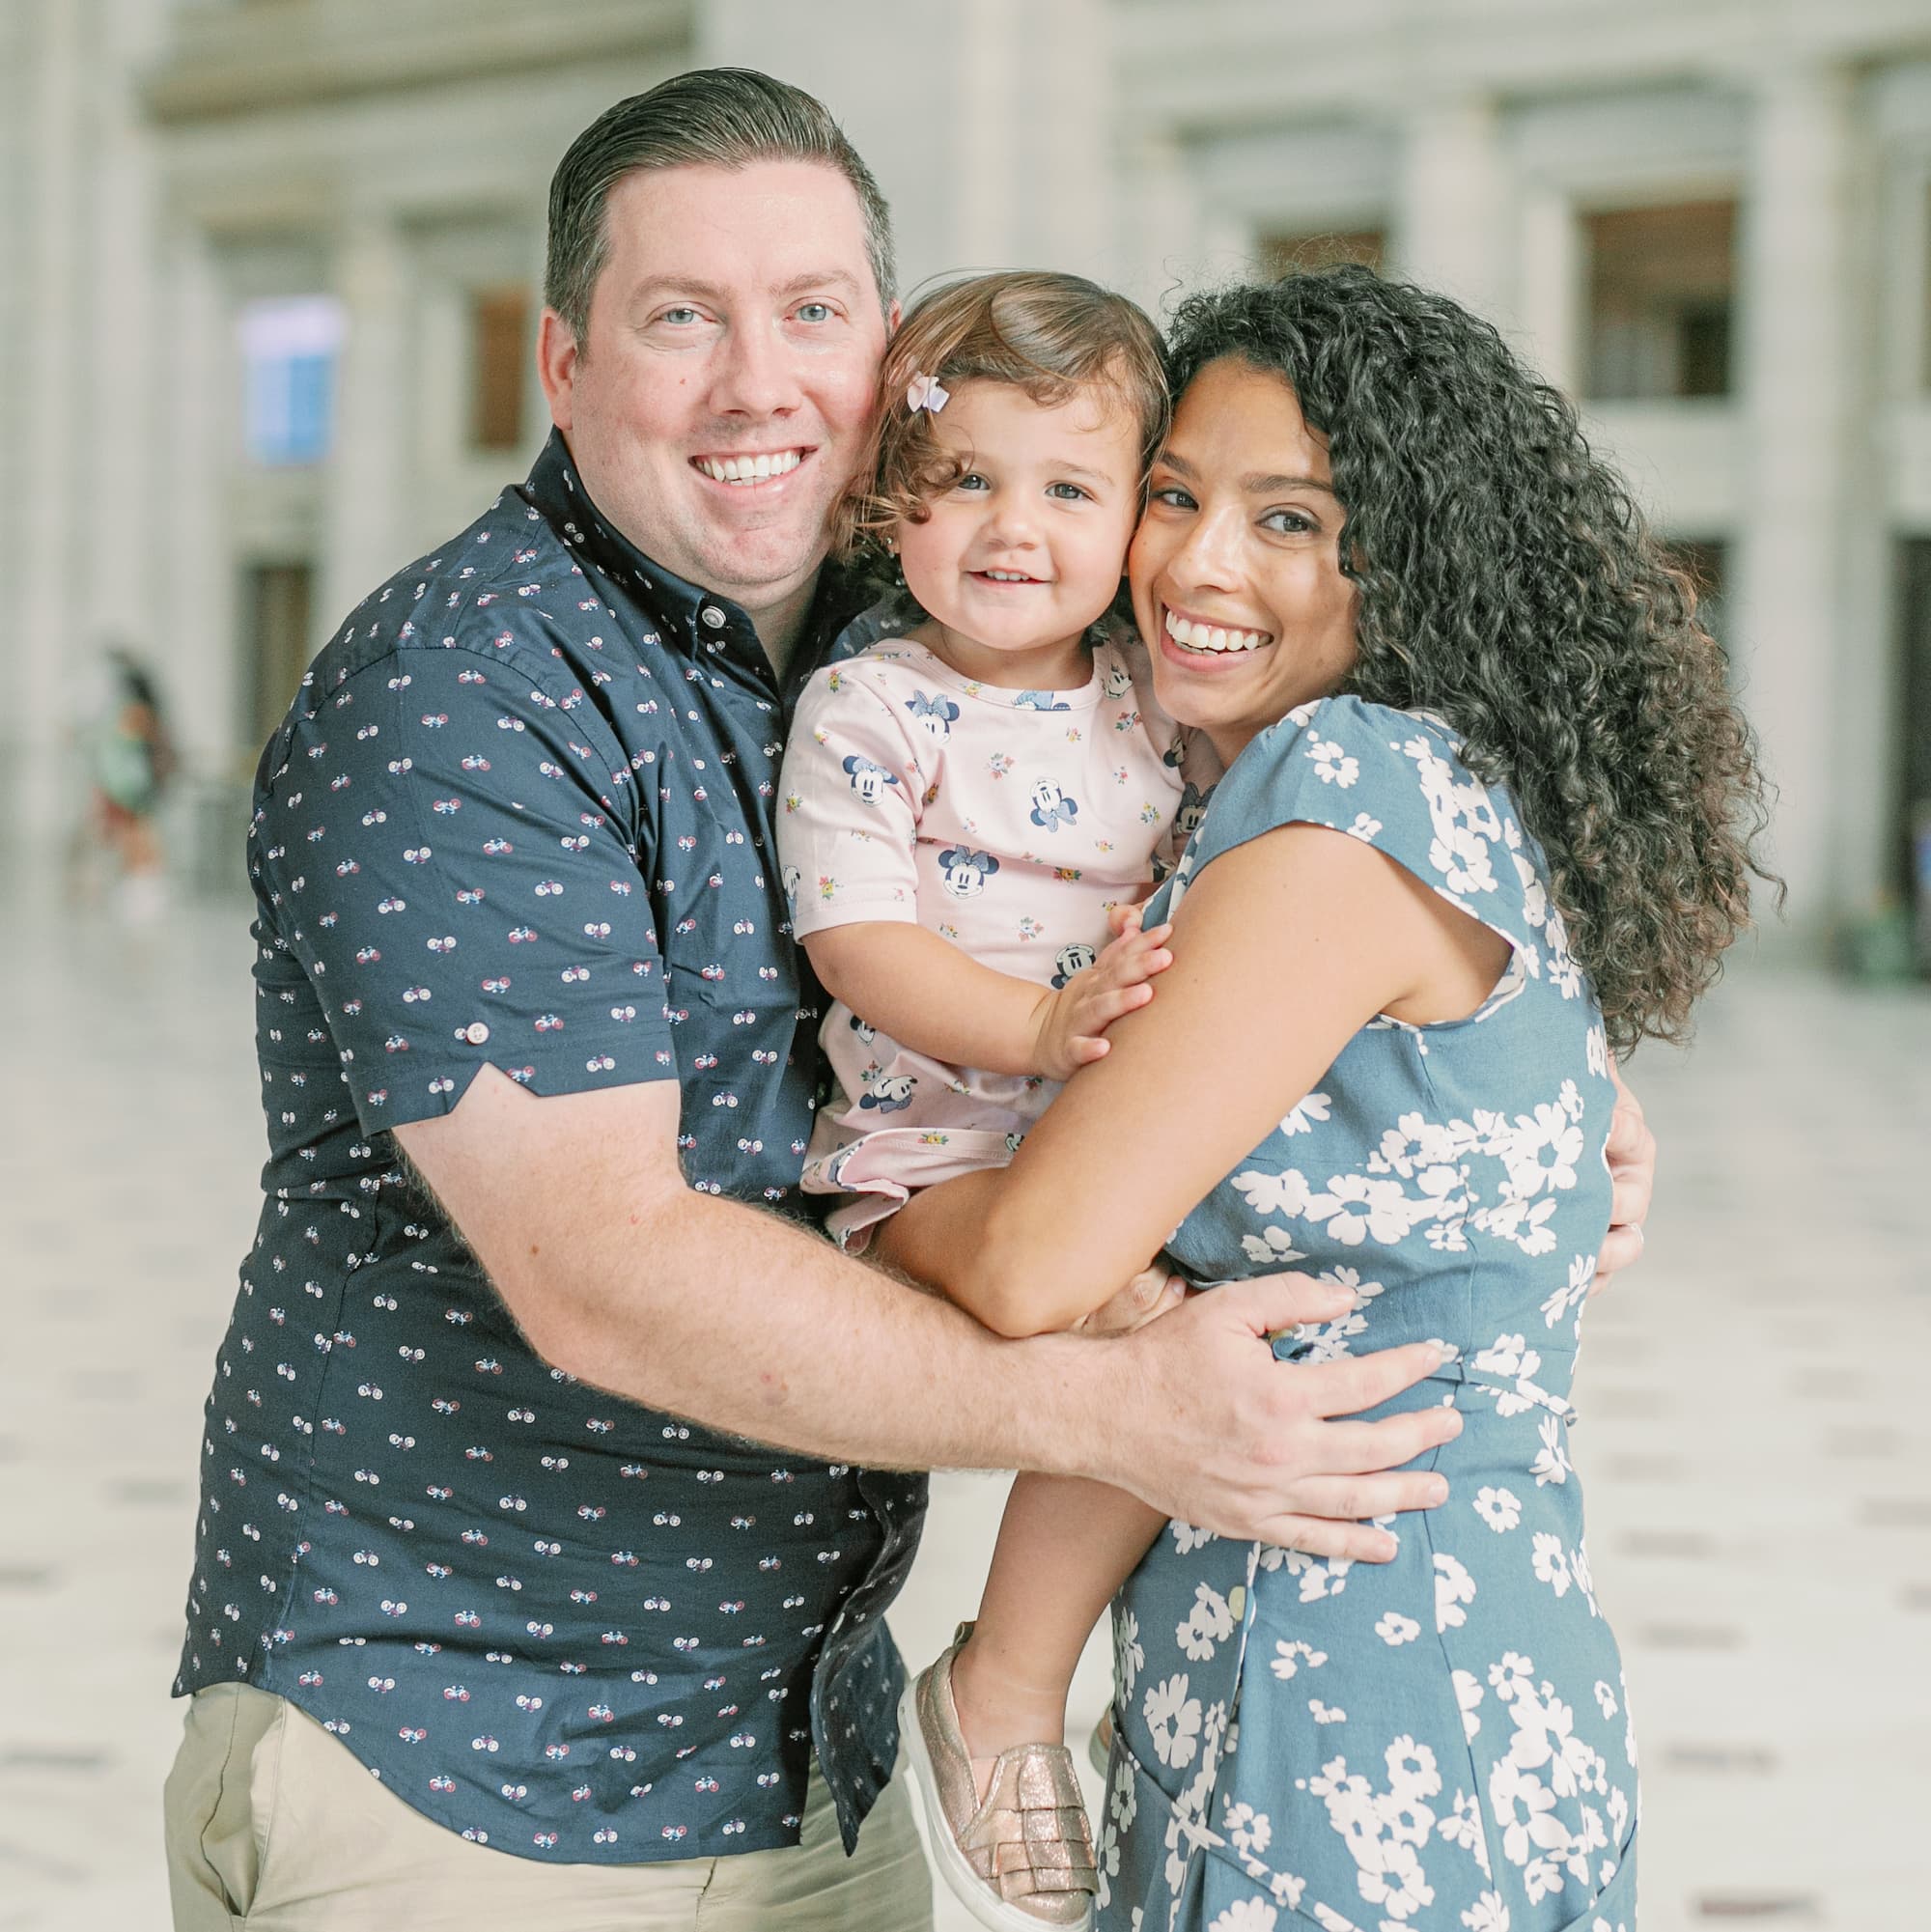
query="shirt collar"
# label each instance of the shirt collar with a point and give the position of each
(692, 618)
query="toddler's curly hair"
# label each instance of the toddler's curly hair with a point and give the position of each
(1048, 334)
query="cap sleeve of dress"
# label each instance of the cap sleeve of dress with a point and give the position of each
(1396, 780)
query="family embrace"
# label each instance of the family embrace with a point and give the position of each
(967, 888)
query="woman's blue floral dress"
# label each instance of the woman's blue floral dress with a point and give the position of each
(1443, 1741)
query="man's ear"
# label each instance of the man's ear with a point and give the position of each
(557, 355)
(893, 316)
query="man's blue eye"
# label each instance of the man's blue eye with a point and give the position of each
(815, 312)
(680, 314)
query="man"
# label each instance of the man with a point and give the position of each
(481, 1492)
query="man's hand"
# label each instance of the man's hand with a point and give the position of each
(1212, 1429)
(1632, 1158)
(1069, 1023)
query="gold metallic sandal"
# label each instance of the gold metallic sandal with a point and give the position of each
(1023, 1857)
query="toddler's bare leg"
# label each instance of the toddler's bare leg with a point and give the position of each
(1065, 1546)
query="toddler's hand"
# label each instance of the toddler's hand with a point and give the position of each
(1151, 1294)
(1069, 1025)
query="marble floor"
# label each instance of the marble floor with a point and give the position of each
(1756, 1435)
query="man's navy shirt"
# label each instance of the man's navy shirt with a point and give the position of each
(521, 814)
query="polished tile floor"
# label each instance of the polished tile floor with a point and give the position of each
(1755, 1430)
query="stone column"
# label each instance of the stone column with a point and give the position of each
(199, 410)
(986, 122)
(44, 615)
(1548, 295)
(1452, 228)
(1793, 307)
(367, 531)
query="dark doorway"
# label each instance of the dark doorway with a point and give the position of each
(1661, 281)
(1284, 254)
(1706, 561)
(275, 646)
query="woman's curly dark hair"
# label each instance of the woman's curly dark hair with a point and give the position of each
(1509, 585)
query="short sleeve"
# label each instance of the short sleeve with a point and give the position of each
(1395, 781)
(853, 789)
(439, 853)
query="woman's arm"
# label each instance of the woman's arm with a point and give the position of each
(932, 996)
(1283, 948)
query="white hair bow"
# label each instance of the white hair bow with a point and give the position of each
(924, 393)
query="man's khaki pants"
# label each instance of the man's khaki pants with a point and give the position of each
(275, 1827)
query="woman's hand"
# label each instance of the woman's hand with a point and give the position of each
(1632, 1156)
(1151, 1294)
(1069, 1023)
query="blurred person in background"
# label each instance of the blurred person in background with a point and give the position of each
(130, 763)
(484, 1509)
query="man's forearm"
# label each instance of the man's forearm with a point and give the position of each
(751, 1325)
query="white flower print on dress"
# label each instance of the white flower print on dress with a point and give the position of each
(1331, 765)
(1284, 1194)
(1468, 1694)
(1272, 1247)
(1597, 1049)
(1173, 1721)
(1128, 1654)
(1499, 1508)
(1465, 819)
(1246, 1915)
(1301, 1118)
(1606, 1699)
(1290, 1653)
(1462, 1825)
(1319, 1576)
(1488, 1913)
(1386, 1831)
(1249, 1832)
(1453, 1588)
(1326, 1714)
(1552, 1462)
(1542, 1150)
(1365, 828)
(1551, 1563)
(1394, 1629)
(1206, 1626)
(1561, 1301)
(1514, 1674)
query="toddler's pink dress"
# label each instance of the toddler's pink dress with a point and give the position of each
(1007, 822)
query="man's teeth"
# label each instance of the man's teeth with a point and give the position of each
(749, 468)
(1212, 636)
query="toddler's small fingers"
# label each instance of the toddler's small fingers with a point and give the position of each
(1123, 999)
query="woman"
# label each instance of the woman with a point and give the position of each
(1487, 818)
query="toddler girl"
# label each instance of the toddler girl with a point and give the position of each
(973, 808)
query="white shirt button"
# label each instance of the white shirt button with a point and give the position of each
(476, 1032)
(712, 616)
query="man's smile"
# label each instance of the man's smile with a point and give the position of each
(750, 466)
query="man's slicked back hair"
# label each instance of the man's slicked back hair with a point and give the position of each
(720, 117)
